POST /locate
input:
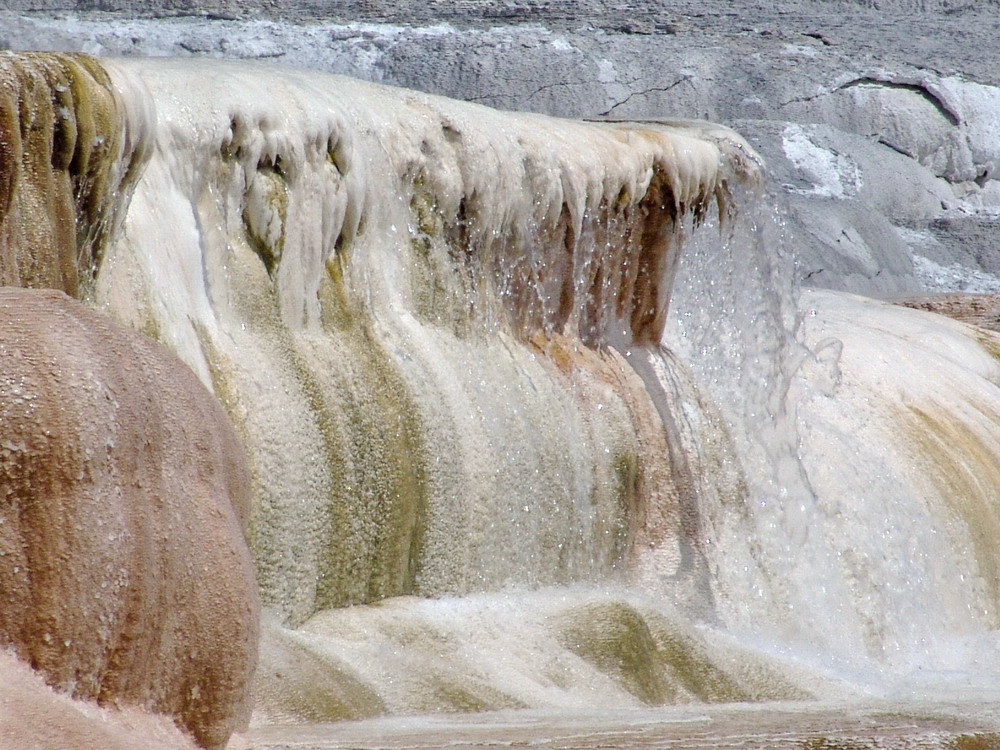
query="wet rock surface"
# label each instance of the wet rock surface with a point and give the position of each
(126, 579)
(859, 726)
(36, 716)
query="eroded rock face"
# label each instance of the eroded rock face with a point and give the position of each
(124, 573)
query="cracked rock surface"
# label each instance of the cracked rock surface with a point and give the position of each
(879, 119)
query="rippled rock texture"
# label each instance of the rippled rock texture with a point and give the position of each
(125, 576)
(877, 119)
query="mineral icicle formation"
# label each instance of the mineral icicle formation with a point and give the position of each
(432, 302)
(68, 155)
(877, 119)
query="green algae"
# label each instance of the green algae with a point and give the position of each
(378, 495)
(66, 169)
(460, 689)
(369, 489)
(221, 371)
(626, 494)
(265, 214)
(436, 258)
(296, 680)
(447, 694)
(662, 662)
(151, 327)
(371, 447)
(615, 639)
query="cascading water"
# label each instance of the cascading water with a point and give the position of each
(511, 445)
(416, 349)
(842, 550)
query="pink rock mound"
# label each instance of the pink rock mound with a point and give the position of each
(35, 716)
(125, 577)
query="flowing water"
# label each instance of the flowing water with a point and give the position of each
(839, 726)
(537, 421)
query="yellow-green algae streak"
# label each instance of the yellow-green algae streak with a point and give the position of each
(961, 463)
(67, 162)
(658, 662)
(366, 427)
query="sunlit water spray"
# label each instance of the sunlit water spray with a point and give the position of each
(839, 552)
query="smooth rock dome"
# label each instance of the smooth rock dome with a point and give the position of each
(123, 497)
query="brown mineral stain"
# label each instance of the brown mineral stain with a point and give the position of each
(124, 573)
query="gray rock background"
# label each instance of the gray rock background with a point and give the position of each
(879, 119)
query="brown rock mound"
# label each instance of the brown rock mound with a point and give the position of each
(124, 574)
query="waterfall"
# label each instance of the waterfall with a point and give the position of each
(532, 409)
(863, 433)
(422, 332)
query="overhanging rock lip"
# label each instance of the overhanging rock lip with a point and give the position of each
(743, 161)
